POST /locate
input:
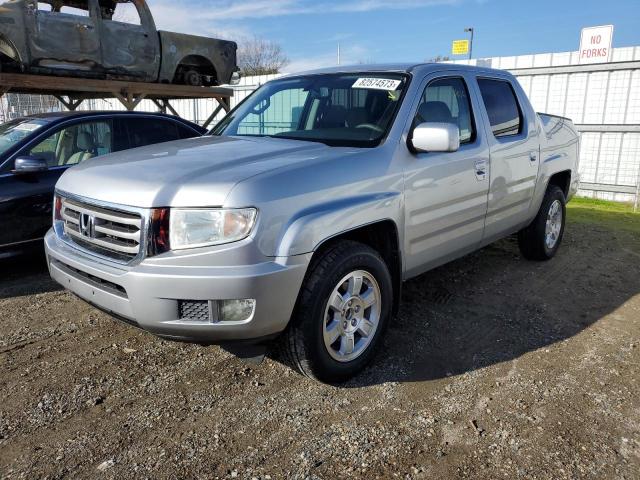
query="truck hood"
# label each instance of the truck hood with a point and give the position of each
(196, 172)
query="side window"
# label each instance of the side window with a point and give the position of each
(502, 107)
(76, 9)
(447, 100)
(147, 131)
(280, 114)
(75, 144)
(123, 12)
(78, 12)
(186, 132)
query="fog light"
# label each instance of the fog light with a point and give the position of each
(236, 310)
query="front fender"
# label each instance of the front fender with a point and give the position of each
(312, 226)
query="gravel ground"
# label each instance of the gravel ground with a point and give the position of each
(495, 368)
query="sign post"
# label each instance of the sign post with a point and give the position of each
(595, 44)
(470, 30)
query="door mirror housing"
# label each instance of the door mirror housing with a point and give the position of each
(24, 165)
(435, 137)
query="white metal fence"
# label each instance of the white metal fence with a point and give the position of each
(603, 101)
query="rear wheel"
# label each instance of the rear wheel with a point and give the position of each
(192, 78)
(343, 309)
(541, 239)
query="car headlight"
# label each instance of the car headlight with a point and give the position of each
(189, 228)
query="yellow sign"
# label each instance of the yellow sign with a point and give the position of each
(460, 47)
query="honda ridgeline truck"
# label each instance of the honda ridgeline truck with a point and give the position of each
(303, 212)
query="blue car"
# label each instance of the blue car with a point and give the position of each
(36, 150)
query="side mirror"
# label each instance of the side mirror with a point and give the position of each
(24, 165)
(435, 137)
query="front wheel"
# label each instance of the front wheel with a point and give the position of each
(343, 309)
(541, 239)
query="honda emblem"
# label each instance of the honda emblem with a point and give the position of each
(87, 225)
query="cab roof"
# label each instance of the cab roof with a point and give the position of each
(398, 68)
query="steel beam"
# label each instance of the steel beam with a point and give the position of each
(608, 128)
(596, 67)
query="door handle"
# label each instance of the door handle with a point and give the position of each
(533, 156)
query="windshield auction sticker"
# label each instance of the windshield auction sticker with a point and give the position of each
(377, 83)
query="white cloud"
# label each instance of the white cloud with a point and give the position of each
(196, 14)
(227, 19)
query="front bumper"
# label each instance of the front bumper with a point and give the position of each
(147, 294)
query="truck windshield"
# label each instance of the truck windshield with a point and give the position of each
(335, 109)
(14, 131)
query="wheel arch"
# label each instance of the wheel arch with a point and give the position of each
(9, 49)
(562, 180)
(199, 62)
(383, 237)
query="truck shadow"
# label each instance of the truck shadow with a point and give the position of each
(25, 274)
(494, 306)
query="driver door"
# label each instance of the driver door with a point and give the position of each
(445, 192)
(66, 38)
(26, 205)
(26, 199)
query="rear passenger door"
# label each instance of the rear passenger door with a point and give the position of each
(514, 150)
(130, 44)
(445, 192)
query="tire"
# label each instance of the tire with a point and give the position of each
(542, 238)
(192, 78)
(306, 344)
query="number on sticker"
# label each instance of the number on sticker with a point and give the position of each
(376, 83)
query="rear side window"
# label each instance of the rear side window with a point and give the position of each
(502, 107)
(146, 131)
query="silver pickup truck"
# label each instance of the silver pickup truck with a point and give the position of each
(299, 218)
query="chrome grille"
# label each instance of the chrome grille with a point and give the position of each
(109, 232)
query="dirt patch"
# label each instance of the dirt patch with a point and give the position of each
(495, 368)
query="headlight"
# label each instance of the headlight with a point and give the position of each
(189, 228)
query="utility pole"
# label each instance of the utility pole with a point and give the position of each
(470, 30)
(637, 201)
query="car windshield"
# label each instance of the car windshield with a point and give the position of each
(335, 109)
(14, 131)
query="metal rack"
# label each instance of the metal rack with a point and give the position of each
(71, 92)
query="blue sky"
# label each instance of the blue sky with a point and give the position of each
(401, 30)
